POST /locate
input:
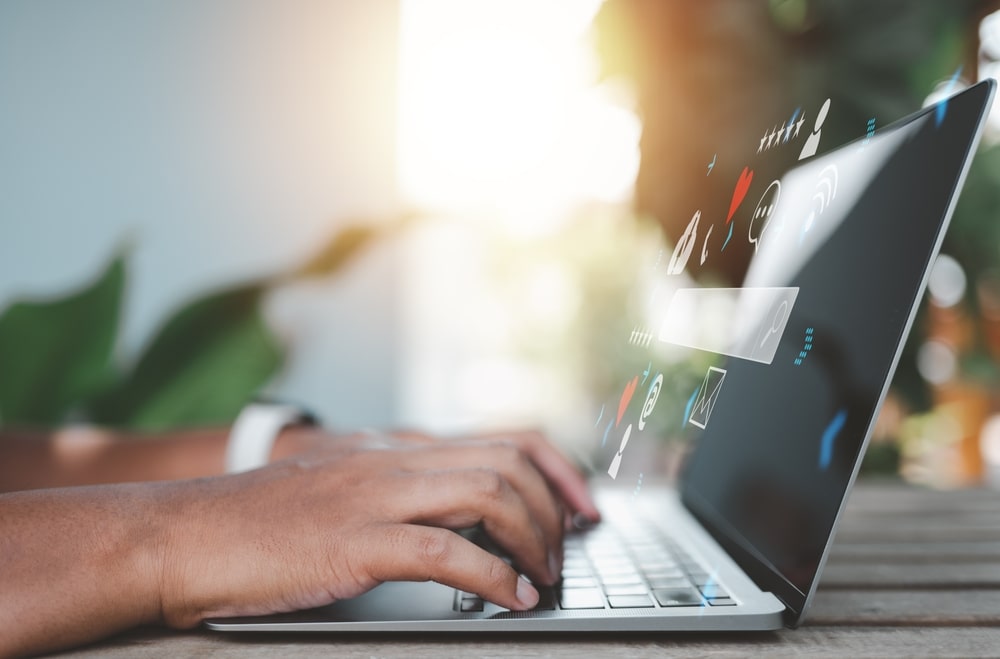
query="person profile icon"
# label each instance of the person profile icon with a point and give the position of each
(812, 142)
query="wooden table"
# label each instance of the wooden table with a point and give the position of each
(912, 573)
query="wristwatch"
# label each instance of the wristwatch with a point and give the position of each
(255, 430)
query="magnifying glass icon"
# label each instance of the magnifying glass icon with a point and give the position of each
(779, 319)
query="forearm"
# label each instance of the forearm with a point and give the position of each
(77, 565)
(90, 456)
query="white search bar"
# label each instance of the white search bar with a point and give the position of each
(739, 322)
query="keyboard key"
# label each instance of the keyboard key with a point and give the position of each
(722, 601)
(575, 572)
(579, 582)
(677, 597)
(621, 579)
(546, 599)
(713, 590)
(669, 582)
(630, 602)
(665, 573)
(472, 605)
(608, 569)
(581, 598)
(629, 589)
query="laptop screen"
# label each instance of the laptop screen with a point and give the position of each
(797, 358)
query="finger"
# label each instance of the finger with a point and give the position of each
(567, 480)
(405, 552)
(460, 498)
(516, 468)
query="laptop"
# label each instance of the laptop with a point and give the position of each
(776, 380)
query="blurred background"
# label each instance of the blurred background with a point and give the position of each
(435, 213)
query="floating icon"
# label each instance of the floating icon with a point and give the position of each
(739, 192)
(807, 346)
(607, 431)
(776, 324)
(616, 462)
(829, 437)
(684, 246)
(782, 133)
(762, 214)
(704, 245)
(638, 486)
(626, 399)
(728, 236)
(599, 417)
(651, 397)
(790, 125)
(707, 397)
(825, 192)
(711, 164)
(812, 142)
(869, 132)
(690, 404)
(645, 374)
(640, 337)
(942, 107)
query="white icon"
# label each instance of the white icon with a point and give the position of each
(762, 214)
(684, 246)
(707, 396)
(616, 462)
(640, 337)
(826, 191)
(812, 142)
(779, 319)
(704, 245)
(651, 396)
(782, 133)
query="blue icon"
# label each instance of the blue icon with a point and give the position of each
(728, 236)
(599, 417)
(942, 107)
(711, 164)
(645, 374)
(690, 404)
(808, 345)
(638, 486)
(791, 124)
(829, 437)
(606, 431)
(869, 132)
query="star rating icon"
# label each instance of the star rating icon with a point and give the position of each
(782, 133)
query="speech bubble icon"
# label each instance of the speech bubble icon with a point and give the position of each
(762, 214)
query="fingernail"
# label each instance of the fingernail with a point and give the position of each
(526, 593)
(581, 522)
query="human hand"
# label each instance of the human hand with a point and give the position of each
(363, 509)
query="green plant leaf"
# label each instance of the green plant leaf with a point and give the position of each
(201, 368)
(54, 354)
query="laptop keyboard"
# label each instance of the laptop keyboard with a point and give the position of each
(623, 568)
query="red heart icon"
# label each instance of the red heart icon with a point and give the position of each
(742, 185)
(626, 398)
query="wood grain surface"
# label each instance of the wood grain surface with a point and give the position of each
(913, 573)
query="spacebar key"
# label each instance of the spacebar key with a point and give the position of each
(581, 598)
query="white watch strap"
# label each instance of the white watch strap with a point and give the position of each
(255, 431)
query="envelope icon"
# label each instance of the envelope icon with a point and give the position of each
(707, 396)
